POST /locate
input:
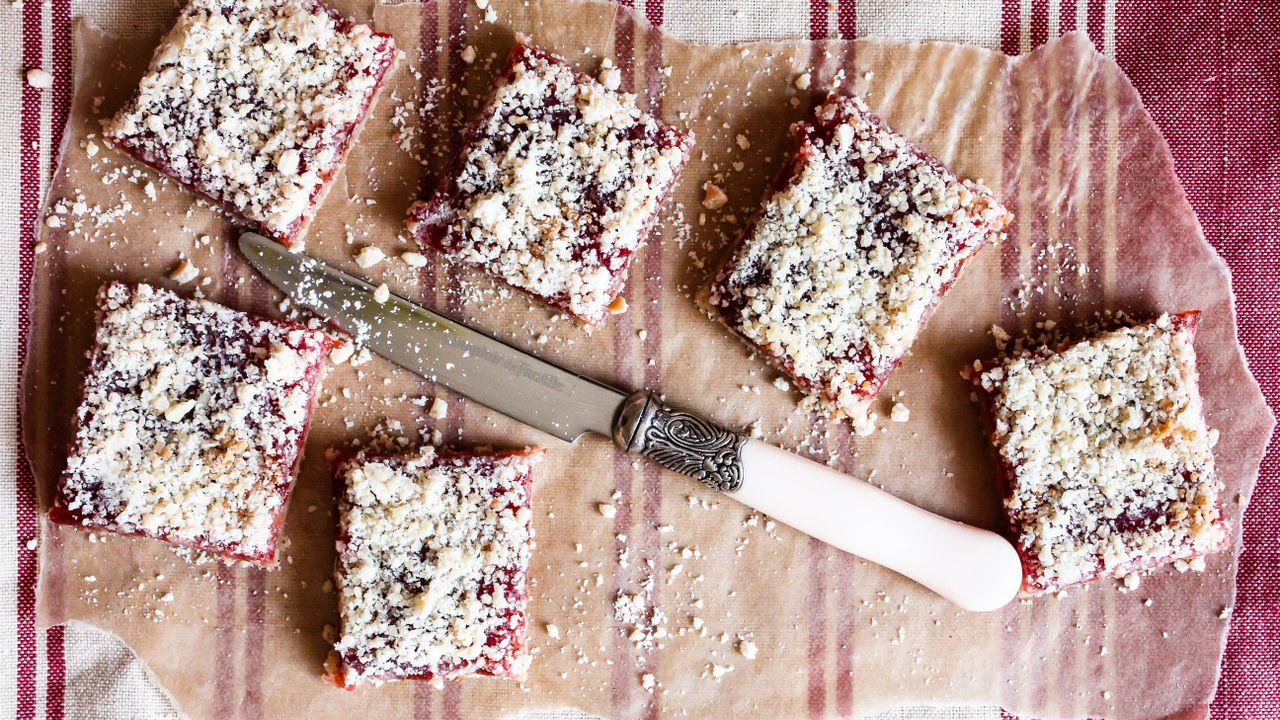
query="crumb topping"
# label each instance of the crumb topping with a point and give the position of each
(556, 190)
(1110, 459)
(432, 562)
(191, 422)
(850, 254)
(252, 102)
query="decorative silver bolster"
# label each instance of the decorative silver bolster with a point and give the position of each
(680, 441)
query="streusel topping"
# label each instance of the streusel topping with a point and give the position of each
(432, 562)
(253, 101)
(192, 417)
(1111, 460)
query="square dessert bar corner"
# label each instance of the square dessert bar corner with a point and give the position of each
(254, 104)
(190, 424)
(1106, 462)
(433, 557)
(558, 182)
(859, 238)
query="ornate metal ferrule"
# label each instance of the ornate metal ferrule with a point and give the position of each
(680, 441)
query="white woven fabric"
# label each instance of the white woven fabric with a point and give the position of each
(103, 678)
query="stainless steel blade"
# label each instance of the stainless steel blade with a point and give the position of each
(467, 361)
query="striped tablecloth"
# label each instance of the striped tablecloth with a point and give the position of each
(1209, 73)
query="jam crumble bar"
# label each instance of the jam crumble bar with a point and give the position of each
(191, 423)
(1106, 461)
(433, 554)
(254, 104)
(856, 244)
(556, 187)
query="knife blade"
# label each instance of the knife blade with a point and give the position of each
(974, 568)
(491, 372)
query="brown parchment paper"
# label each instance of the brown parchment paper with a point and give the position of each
(1102, 223)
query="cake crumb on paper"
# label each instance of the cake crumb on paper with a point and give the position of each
(369, 256)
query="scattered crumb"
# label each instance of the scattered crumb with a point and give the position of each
(714, 198)
(803, 80)
(611, 77)
(185, 272)
(39, 78)
(469, 54)
(369, 256)
(607, 510)
(413, 259)
(748, 649)
(900, 413)
(553, 631)
(381, 294)
(618, 306)
(341, 353)
(439, 409)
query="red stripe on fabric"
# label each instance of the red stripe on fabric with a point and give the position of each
(818, 25)
(1210, 81)
(28, 212)
(1067, 16)
(254, 635)
(60, 41)
(1039, 22)
(846, 564)
(1096, 24)
(451, 706)
(815, 659)
(652, 282)
(60, 28)
(1010, 252)
(423, 699)
(254, 640)
(55, 658)
(655, 12)
(815, 604)
(847, 19)
(623, 677)
(224, 660)
(845, 445)
(1010, 26)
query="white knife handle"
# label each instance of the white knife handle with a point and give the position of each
(973, 568)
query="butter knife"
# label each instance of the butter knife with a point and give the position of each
(974, 568)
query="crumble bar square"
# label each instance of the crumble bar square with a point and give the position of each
(1106, 461)
(191, 423)
(254, 103)
(557, 184)
(433, 557)
(859, 238)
